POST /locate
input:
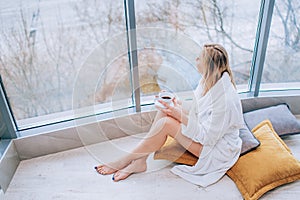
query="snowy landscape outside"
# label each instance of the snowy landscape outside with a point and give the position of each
(60, 55)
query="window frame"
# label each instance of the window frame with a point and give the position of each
(261, 43)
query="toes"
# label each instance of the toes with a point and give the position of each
(119, 175)
(100, 170)
(115, 177)
(105, 169)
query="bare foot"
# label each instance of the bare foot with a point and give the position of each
(105, 169)
(135, 166)
(111, 167)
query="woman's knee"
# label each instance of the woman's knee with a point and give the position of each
(170, 125)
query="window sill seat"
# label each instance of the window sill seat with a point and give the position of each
(71, 175)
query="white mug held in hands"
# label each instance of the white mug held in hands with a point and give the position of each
(166, 97)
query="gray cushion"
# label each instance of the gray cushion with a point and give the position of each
(283, 121)
(250, 142)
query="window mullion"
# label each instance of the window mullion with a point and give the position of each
(132, 52)
(261, 45)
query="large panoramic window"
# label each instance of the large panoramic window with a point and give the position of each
(170, 35)
(61, 60)
(58, 56)
(282, 68)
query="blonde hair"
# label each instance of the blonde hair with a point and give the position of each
(215, 60)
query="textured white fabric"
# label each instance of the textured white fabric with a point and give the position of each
(214, 121)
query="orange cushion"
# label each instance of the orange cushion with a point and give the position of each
(174, 152)
(267, 167)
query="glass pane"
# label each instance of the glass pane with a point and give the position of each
(174, 31)
(55, 56)
(281, 69)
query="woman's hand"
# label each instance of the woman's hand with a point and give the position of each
(173, 111)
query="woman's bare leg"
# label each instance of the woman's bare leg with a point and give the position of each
(156, 127)
(139, 164)
(155, 139)
(158, 116)
(115, 166)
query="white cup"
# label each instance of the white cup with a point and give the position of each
(166, 97)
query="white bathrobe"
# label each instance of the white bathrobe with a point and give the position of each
(214, 121)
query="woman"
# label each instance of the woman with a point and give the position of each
(210, 130)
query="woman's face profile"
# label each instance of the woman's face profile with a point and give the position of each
(199, 63)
